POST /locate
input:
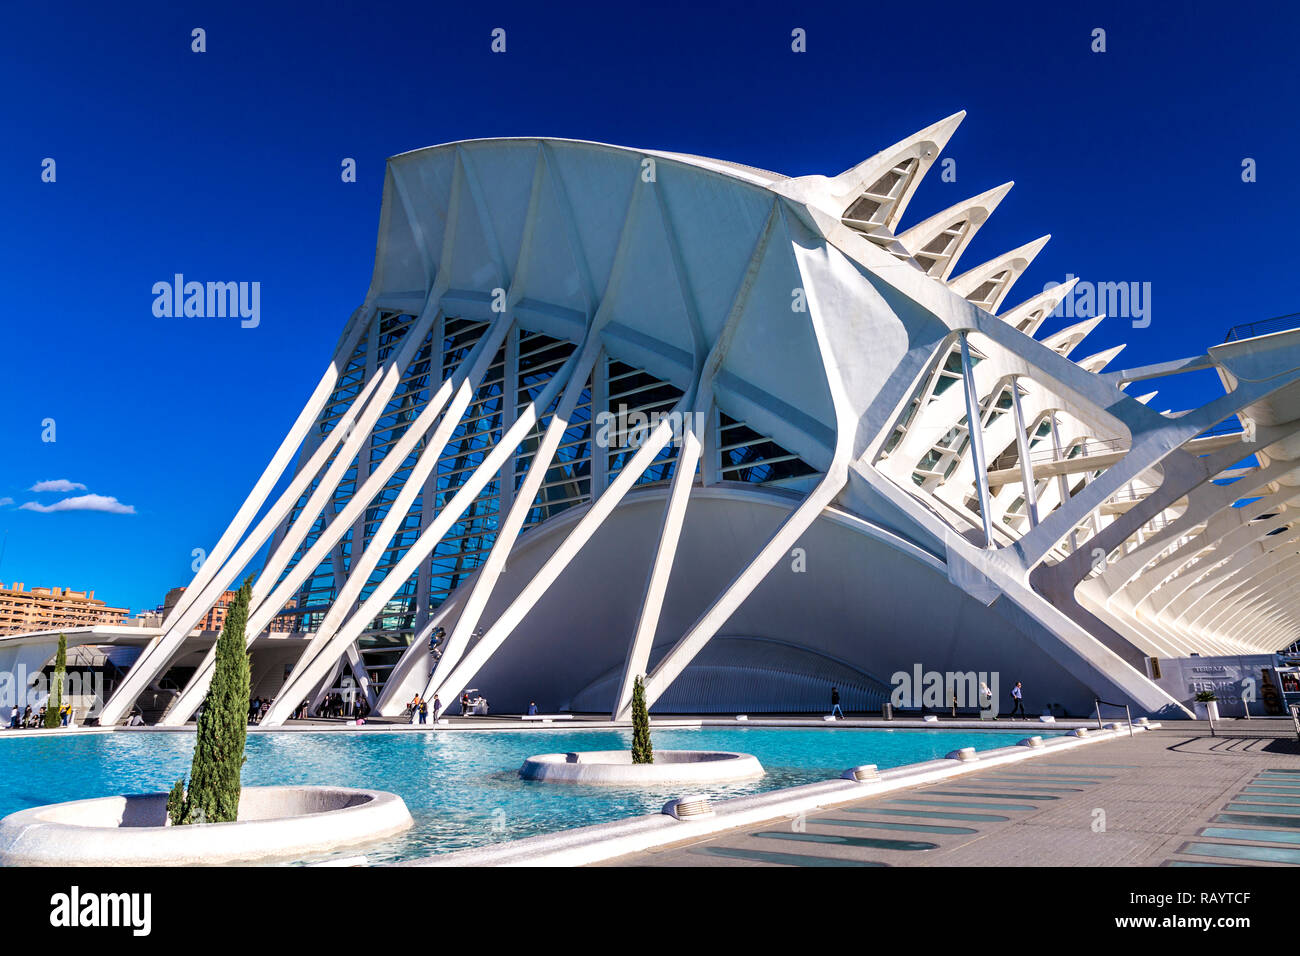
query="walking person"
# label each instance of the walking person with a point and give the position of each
(1018, 701)
(437, 705)
(835, 703)
(986, 700)
(424, 711)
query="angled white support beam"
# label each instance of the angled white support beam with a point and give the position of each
(1062, 482)
(1159, 370)
(821, 317)
(353, 431)
(275, 468)
(684, 651)
(532, 592)
(318, 696)
(484, 353)
(416, 665)
(490, 572)
(975, 427)
(154, 661)
(423, 545)
(661, 571)
(268, 597)
(362, 674)
(1022, 452)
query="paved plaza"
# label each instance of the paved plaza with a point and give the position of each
(1173, 797)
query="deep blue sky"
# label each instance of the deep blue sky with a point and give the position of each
(225, 165)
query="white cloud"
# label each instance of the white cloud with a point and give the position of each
(105, 503)
(6, 501)
(57, 484)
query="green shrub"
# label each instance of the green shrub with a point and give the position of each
(176, 803)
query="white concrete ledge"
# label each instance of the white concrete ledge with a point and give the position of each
(579, 722)
(615, 768)
(79, 731)
(275, 823)
(606, 841)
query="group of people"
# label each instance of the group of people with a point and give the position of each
(28, 719)
(986, 701)
(334, 705)
(418, 709)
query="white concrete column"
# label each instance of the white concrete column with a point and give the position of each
(599, 404)
(479, 361)
(976, 430)
(490, 572)
(600, 509)
(656, 588)
(1022, 450)
(509, 412)
(1062, 480)
(327, 645)
(279, 461)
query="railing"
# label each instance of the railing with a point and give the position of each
(1280, 323)
(1128, 714)
(1085, 449)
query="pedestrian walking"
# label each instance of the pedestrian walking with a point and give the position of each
(1018, 701)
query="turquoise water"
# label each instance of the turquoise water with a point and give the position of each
(462, 788)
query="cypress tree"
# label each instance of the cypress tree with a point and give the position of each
(176, 803)
(213, 795)
(54, 702)
(642, 750)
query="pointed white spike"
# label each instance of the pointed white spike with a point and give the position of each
(923, 146)
(974, 211)
(1029, 315)
(1015, 262)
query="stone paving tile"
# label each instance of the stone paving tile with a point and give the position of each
(1157, 790)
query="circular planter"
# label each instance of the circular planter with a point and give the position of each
(275, 823)
(615, 767)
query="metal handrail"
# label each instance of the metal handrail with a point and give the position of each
(1279, 323)
(1128, 713)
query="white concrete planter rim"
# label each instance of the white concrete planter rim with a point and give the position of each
(615, 767)
(276, 823)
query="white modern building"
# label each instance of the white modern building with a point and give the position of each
(607, 412)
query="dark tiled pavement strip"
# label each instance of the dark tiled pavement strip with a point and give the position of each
(1173, 797)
